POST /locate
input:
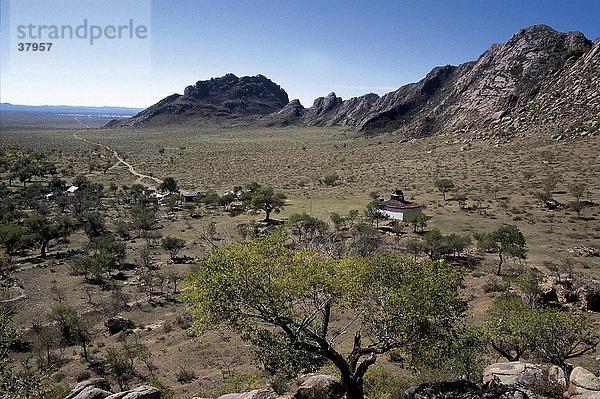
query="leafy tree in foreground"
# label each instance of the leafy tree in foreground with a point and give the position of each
(552, 335)
(509, 329)
(505, 241)
(259, 285)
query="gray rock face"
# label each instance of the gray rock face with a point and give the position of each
(464, 390)
(92, 393)
(142, 392)
(321, 386)
(525, 375)
(99, 383)
(264, 393)
(583, 384)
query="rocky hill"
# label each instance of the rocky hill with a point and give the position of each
(219, 99)
(539, 79)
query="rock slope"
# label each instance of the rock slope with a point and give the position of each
(217, 99)
(540, 80)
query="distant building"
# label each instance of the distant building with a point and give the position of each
(398, 208)
(189, 196)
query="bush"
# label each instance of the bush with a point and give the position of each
(382, 384)
(331, 180)
(495, 284)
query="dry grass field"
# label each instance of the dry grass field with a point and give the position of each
(501, 179)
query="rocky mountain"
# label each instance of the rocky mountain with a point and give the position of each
(537, 65)
(538, 79)
(219, 99)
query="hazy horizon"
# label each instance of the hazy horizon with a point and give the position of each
(309, 49)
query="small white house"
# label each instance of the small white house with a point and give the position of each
(397, 208)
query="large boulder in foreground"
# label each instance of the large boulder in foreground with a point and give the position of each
(514, 373)
(583, 384)
(98, 383)
(321, 386)
(464, 390)
(142, 392)
(92, 393)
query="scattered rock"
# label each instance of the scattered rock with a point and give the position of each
(141, 392)
(583, 384)
(99, 383)
(92, 393)
(556, 376)
(264, 393)
(464, 390)
(525, 375)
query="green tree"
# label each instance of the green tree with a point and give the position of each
(509, 328)
(43, 230)
(260, 285)
(14, 238)
(444, 186)
(418, 220)
(169, 184)
(560, 336)
(267, 200)
(577, 191)
(307, 228)
(505, 241)
(373, 212)
(173, 245)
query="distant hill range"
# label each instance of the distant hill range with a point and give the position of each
(69, 109)
(539, 80)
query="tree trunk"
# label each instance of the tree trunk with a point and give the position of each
(354, 387)
(499, 271)
(268, 215)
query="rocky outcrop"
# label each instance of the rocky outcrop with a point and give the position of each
(95, 383)
(514, 373)
(464, 390)
(583, 384)
(291, 114)
(540, 80)
(563, 291)
(98, 388)
(215, 100)
(142, 392)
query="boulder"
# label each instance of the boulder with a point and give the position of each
(230, 396)
(264, 393)
(556, 376)
(99, 383)
(141, 392)
(514, 373)
(464, 390)
(583, 384)
(117, 324)
(322, 386)
(92, 393)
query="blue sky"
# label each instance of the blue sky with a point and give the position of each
(308, 47)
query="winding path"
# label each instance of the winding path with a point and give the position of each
(140, 176)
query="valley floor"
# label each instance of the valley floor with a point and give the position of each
(499, 181)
